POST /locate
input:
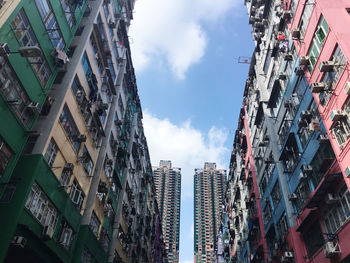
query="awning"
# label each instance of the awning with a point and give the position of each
(274, 94)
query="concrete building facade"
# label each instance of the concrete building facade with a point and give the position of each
(76, 178)
(295, 121)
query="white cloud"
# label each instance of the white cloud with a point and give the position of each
(186, 261)
(171, 31)
(185, 146)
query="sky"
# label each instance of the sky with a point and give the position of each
(185, 53)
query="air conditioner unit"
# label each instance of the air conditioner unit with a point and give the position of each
(304, 60)
(288, 56)
(299, 71)
(111, 24)
(331, 249)
(331, 199)
(347, 88)
(288, 255)
(118, 122)
(282, 76)
(35, 107)
(48, 232)
(292, 197)
(80, 138)
(296, 33)
(336, 115)
(103, 106)
(347, 171)
(286, 14)
(306, 168)
(318, 87)
(4, 49)
(19, 241)
(109, 162)
(303, 176)
(68, 167)
(328, 66)
(314, 125)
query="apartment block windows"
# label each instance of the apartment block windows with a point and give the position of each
(267, 212)
(12, 91)
(94, 224)
(50, 23)
(65, 177)
(317, 43)
(68, 12)
(282, 226)
(69, 127)
(120, 104)
(5, 156)
(313, 239)
(303, 192)
(305, 17)
(86, 256)
(337, 214)
(66, 235)
(26, 37)
(276, 194)
(51, 152)
(41, 208)
(86, 161)
(77, 195)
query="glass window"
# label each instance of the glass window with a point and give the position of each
(26, 37)
(276, 194)
(66, 235)
(69, 127)
(50, 23)
(41, 208)
(51, 152)
(86, 65)
(120, 104)
(13, 92)
(305, 17)
(313, 239)
(86, 256)
(65, 178)
(6, 155)
(68, 12)
(86, 161)
(282, 226)
(76, 195)
(94, 224)
(317, 43)
(303, 193)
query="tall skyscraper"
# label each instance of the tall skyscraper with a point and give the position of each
(209, 188)
(168, 189)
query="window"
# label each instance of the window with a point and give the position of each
(13, 93)
(303, 192)
(51, 152)
(26, 37)
(331, 78)
(86, 66)
(76, 195)
(120, 104)
(108, 165)
(282, 226)
(322, 160)
(81, 99)
(65, 178)
(317, 43)
(50, 23)
(313, 239)
(5, 156)
(276, 194)
(86, 161)
(68, 12)
(65, 235)
(305, 17)
(338, 213)
(304, 133)
(69, 127)
(267, 212)
(41, 208)
(94, 224)
(104, 240)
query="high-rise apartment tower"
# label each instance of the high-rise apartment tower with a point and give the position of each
(168, 189)
(209, 188)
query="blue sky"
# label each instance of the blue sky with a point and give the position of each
(191, 85)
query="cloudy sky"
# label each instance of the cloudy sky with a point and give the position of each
(185, 53)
